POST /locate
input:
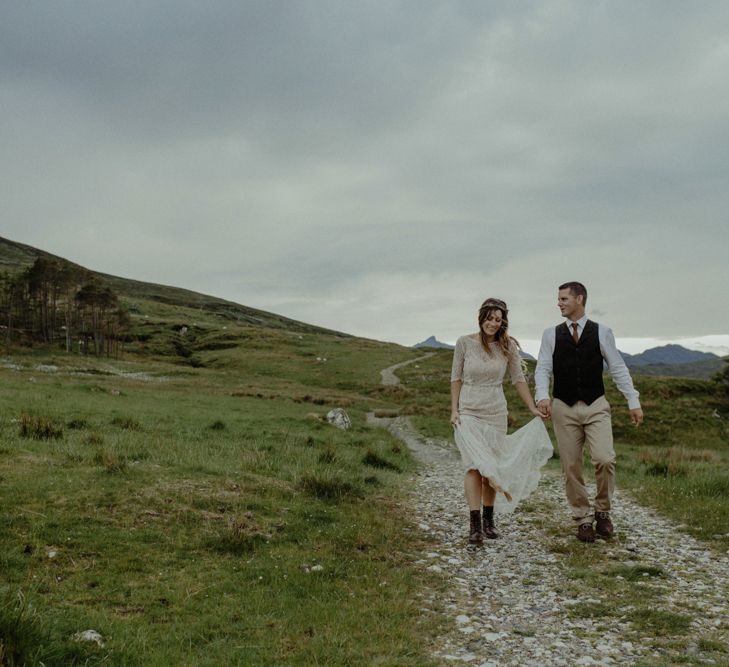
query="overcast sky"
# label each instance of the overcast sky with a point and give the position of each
(380, 167)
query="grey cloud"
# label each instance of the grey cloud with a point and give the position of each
(230, 65)
(270, 151)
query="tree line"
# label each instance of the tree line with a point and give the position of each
(54, 301)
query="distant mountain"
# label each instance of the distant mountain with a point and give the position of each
(432, 342)
(701, 370)
(674, 361)
(668, 355)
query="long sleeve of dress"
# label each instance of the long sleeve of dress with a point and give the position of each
(459, 355)
(515, 369)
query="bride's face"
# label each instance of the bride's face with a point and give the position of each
(492, 323)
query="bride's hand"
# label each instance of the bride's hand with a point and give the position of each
(535, 411)
(455, 418)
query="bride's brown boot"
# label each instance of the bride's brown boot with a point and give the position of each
(475, 535)
(488, 523)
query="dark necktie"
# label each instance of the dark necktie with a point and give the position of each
(575, 337)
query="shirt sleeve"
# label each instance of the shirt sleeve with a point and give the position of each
(459, 355)
(543, 373)
(618, 370)
(515, 367)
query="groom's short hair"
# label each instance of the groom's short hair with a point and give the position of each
(577, 289)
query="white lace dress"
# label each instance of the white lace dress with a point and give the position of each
(510, 462)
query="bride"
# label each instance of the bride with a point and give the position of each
(500, 468)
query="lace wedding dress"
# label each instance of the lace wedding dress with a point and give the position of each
(510, 462)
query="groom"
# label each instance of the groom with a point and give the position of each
(573, 352)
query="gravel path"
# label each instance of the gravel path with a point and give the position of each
(388, 374)
(537, 596)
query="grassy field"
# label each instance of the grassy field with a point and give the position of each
(205, 515)
(677, 462)
(188, 502)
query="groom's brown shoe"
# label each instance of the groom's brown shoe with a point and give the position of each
(585, 533)
(603, 525)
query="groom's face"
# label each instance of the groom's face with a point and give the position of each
(569, 304)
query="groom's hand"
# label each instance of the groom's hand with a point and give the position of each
(636, 416)
(545, 407)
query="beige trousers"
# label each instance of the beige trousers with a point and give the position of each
(573, 426)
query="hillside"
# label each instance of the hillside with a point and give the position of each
(141, 297)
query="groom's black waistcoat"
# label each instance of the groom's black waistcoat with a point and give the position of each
(577, 367)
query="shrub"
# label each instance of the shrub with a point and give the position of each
(635, 572)
(663, 469)
(677, 455)
(659, 622)
(110, 461)
(328, 455)
(671, 462)
(328, 487)
(19, 632)
(182, 349)
(238, 537)
(127, 423)
(40, 428)
(23, 640)
(216, 345)
(721, 378)
(709, 486)
(94, 439)
(372, 458)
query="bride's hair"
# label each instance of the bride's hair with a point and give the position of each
(502, 335)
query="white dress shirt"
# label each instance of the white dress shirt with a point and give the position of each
(616, 365)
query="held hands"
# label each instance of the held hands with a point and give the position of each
(544, 408)
(538, 413)
(636, 416)
(455, 418)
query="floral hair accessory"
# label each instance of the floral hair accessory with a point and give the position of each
(496, 303)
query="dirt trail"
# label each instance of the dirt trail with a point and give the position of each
(650, 596)
(388, 374)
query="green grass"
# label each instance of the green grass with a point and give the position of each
(659, 623)
(193, 521)
(712, 645)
